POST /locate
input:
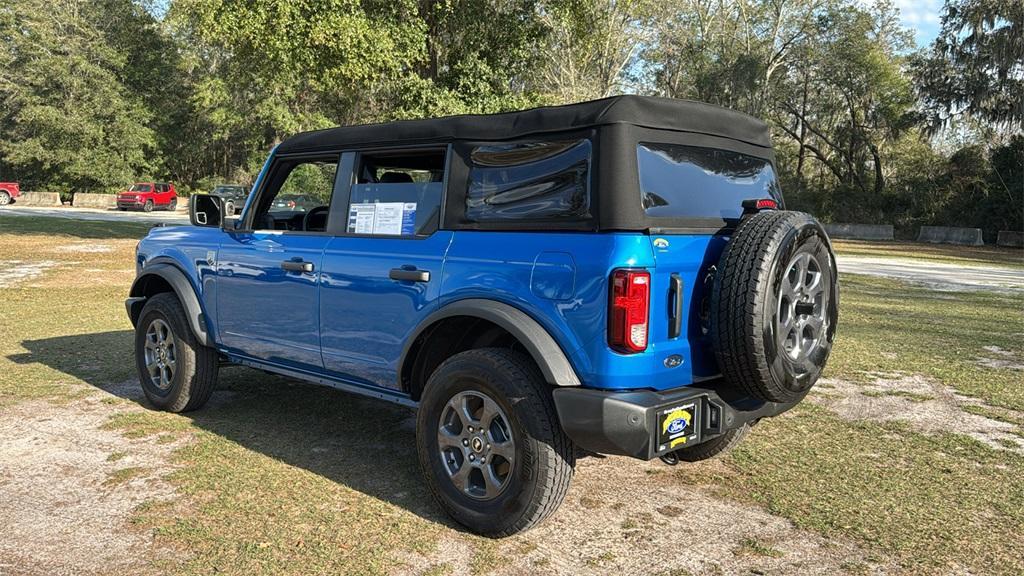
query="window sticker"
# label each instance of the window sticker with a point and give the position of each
(409, 219)
(388, 218)
(360, 218)
(383, 218)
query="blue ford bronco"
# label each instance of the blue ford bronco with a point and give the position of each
(611, 277)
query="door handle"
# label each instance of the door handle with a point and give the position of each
(296, 266)
(675, 301)
(407, 275)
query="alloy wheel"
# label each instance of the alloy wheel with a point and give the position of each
(161, 355)
(801, 308)
(476, 445)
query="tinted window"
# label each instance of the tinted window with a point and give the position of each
(690, 181)
(529, 181)
(397, 193)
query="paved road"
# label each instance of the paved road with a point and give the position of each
(179, 217)
(938, 275)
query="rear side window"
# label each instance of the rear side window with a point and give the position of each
(397, 193)
(529, 181)
(695, 182)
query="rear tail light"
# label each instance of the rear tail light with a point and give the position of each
(629, 310)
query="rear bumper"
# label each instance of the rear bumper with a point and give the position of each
(639, 423)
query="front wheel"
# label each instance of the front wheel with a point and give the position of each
(177, 373)
(148, 207)
(5, 198)
(489, 443)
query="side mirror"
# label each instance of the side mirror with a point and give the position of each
(206, 210)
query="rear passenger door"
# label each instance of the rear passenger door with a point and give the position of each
(382, 268)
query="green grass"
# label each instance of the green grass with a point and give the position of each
(931, 502)
(944, 253)
(66, 227)
(282, 478)
(886, 326)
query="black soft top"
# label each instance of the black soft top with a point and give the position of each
(640, 111)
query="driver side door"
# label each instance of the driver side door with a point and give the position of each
(269, 268)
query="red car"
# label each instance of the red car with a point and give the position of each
(9, 191)
(147, 196)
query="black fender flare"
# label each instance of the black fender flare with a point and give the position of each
(539, 344)
(182, 289)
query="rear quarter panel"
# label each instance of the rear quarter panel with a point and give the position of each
(528, 270)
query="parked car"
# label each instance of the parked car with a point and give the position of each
(295, 202)
(233, 195)
(8, 192)
(610, 277)
(148, 196)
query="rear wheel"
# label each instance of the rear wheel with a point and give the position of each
(148, 206)
(177, 373)
(489, 442)
(173, 205)
(774, 305)
(5, 198)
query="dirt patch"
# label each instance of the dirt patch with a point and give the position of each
(86, 247)
(69, 489)
(12, 271)
(925, 404)
(623, 516)
(1000, 359)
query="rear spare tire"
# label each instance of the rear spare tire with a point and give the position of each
(774, 305)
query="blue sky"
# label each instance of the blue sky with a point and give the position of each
(921, 16)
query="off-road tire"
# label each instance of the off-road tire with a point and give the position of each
(544, 455)
(196, 370)
(713, 447)
(745, 305)
(5, 198)
(148, 206)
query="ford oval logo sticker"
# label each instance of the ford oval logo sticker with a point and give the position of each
(660, 243)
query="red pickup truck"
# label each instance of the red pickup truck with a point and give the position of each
(9, 191)
(148, 196)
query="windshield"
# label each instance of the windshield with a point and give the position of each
(141, 188)
(229, 190)
(695, 182)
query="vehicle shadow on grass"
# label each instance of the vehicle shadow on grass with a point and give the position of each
(364, 444)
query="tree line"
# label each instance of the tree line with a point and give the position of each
(868, 127)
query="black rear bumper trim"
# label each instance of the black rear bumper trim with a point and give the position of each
(624, 423)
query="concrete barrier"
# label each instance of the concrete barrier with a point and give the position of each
(38, 199)
(860, 231)
(1010, 238)
(85, 200)
(948, 235)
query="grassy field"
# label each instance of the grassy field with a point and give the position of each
(908, 458)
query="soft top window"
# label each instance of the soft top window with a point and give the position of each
(529, 181)
(397, 193)
(697, 182)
